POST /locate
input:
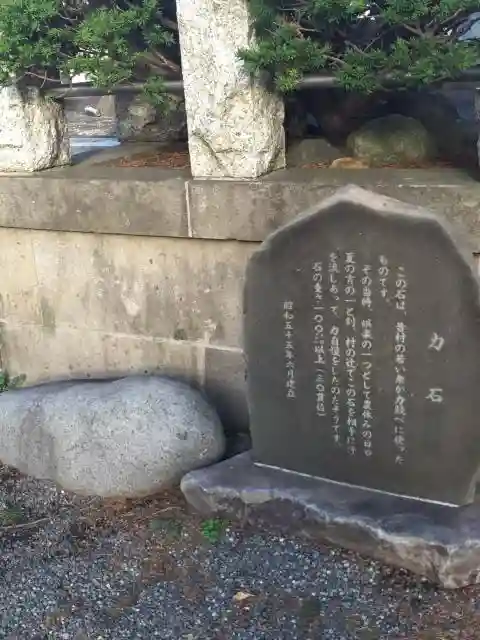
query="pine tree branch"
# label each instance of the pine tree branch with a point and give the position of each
(157, 59)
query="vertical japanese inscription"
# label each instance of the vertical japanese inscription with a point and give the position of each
(333, 283)
(343, 293)
(400, 351)
(437, 342)
(288, 318)
(366, 346)
(319, 338)
(383, 274)
(350, 269)
(401, 290)
(367, 365)
(335, 353)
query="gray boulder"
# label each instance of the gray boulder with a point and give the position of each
(139, 121)
(311, 151)
(116, 438)
(393, 139)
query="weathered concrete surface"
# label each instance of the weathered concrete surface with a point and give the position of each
(44, 355)
(164, 202)
(235, 126)
(100, 199)
(33, 131)
(225, 384)
(441, 543)
(118, 438)
(183, 290)
(92, 304)
(252, 210)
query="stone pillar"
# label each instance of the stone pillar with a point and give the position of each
(235, 125)
(33, 131)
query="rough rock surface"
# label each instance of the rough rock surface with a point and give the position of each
(311, 151)
(393, 139)
(441, 543)
(121, 438)
(33, 131)
(235, 124)
(139, 121)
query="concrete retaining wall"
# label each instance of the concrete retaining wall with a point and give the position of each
(109, 271)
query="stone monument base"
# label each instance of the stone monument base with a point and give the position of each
(439, 542)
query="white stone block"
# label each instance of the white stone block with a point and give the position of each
(235, 125)
(33, 131)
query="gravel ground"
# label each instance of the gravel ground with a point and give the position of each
(75, 568)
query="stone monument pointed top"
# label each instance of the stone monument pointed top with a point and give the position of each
(382, 205)
(362, 334)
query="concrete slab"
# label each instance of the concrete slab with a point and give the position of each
(439, 542)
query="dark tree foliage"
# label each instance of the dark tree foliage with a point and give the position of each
(112, 41)
(366, 45)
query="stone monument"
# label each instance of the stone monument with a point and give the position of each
(362, 335)
(362, 332)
